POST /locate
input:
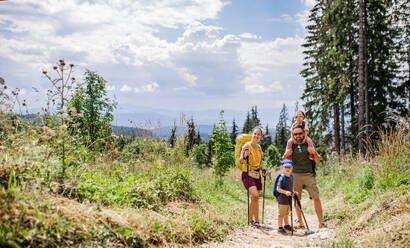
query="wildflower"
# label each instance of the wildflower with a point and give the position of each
(44, 72)
(55, 67)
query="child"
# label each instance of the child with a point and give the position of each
(300, 120)
(284, 188)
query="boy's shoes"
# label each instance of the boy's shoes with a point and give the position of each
(322, 225)
(299, 225)
(281, 230)
(255, 223)
(287, 227)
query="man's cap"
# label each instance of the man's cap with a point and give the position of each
(287, 162)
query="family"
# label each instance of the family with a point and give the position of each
(298, 172)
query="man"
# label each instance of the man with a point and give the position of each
(304, 174)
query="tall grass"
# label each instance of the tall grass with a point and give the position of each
(363, 194)
(141, 193)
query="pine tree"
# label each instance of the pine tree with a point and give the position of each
(266, 139)
(247, 126)
(255, 121)
(190, 136)
(223, 158)
(234, 132)
(173, 137)
(336, 84)
(282, 133)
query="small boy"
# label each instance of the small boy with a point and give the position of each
(284, 190)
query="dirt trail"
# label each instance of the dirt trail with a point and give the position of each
(268, 236)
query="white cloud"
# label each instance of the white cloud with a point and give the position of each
(125, 88)
(249, 36)
(302, 18)
(122, 39)
(110, 87)
(285, 18)
(97, 31)
(309, 3)
(264, 62)
(150, 87)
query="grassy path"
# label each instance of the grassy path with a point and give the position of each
(267, 235)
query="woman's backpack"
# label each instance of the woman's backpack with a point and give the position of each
(239, 142)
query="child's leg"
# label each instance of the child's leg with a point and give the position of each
(288, 149)
(286, 220)
(310, 143)
(280, 218)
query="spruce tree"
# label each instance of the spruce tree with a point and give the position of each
(266, 139)
(282, 133)
(247, 126)
(234, 132)
(255, 121)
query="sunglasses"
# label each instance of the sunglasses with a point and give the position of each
(297, 134)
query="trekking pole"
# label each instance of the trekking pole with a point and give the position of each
(300, 207)
(247, 174)
(263, 201)
(291, 215)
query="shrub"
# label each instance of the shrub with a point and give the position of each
(272, 157)
(199, 155)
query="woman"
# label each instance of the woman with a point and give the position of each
(252, 180)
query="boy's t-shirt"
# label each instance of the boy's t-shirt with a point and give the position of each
(282, 198)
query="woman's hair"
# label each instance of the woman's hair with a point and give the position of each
(304, 116)
(257, 128)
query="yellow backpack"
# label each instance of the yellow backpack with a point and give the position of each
(239, 142)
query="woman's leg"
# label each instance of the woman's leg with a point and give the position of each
(254, 208)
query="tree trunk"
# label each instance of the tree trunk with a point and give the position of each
(336, 128)
(366, 78)
(342, 127)
(408, 86)
(361, 100)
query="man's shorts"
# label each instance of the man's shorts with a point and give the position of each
(283, 210)
(252, 181)
(307, 180)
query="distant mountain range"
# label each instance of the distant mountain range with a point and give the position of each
(131, 120)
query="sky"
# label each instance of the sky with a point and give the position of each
(162, 56)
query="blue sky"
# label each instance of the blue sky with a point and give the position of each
(165, 56)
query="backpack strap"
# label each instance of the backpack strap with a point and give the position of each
(283, 180)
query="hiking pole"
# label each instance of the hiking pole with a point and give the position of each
(300, 207)
(263, 201)
(247, 174)
(291, 215)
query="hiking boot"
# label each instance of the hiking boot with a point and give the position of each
(281, 230)
(288, 228)
(255, 223)
(299, 225)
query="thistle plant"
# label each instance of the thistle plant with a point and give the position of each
(60, 93)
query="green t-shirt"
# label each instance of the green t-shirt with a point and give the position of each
(300, 159)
